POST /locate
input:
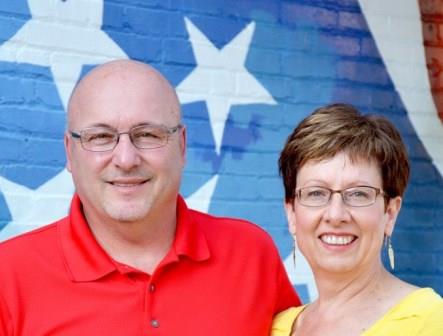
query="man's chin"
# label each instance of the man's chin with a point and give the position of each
(127, 212)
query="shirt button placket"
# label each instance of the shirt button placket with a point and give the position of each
(155, 323)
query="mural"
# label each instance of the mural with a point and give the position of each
(246, 73)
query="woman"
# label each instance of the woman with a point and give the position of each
(344, 176)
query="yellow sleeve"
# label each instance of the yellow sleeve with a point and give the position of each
(282, 323)
(433, 322)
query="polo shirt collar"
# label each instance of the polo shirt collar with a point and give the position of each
(85, 258)
(189, 240)
(87, 261)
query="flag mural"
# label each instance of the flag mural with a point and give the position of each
(246, 72)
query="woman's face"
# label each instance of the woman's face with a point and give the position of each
(337, 237)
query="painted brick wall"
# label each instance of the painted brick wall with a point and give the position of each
(246, 73)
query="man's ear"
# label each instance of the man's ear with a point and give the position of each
(68, 145)
(183, 145)
(392, 210)
(290, 215)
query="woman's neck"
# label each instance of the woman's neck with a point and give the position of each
(339, 289)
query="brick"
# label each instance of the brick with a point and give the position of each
(369, 48)
(350, 20)
(10, 144)
(430, 33)
(114, 17)
(344, 45)
(409, 262)
(370, 73)
(50, 151)
(148, 22)
(297, 15)
(142, 3)
(431, 7)
(33, 176)
(46, 93)
(260, 10)
(421, 241)
(33, 121)
(9, 27)
(178, 51)
(264, 61)
(352, 94)
(199, 6)
(300, 65)
(273, 36)
(425, 173)
(382, 99)
(417, 218)
(431, 195)
(143, 48)
(176, 26)
(17, 8)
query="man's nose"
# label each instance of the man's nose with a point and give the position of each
(125, 155)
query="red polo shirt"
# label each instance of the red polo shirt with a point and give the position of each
(222, 277)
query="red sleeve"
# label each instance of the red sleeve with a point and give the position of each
(286, 295)
(5, 319)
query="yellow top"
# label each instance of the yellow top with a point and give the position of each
(419, 313)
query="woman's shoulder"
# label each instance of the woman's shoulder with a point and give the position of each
(282, 324)
(422, 301)
(419, 313)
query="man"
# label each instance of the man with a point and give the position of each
(131, 258)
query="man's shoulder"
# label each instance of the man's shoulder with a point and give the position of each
(18, 246)
(226, 226)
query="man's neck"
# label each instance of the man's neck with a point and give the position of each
(141, 244)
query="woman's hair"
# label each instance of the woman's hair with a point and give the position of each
(339, 128)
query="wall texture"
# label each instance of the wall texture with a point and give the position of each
(246, 72)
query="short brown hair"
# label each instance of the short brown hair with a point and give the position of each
(337, 128)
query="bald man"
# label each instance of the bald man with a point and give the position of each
(131, 258)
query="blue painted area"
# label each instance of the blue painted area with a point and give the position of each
(302, 291)
(32, 122)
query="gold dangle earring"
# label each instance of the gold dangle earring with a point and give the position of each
(388, 244)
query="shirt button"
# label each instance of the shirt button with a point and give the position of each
(155, 323)
(152, 288)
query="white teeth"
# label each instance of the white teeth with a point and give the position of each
(336, 240)
(125, 184)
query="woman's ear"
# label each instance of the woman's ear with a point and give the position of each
(392, 210)
(290, 215)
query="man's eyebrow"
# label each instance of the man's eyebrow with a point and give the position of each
(104, 125)
(99, 125)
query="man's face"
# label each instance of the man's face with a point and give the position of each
(126, 184)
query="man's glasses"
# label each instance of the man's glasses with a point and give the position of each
(102, 139)
(359, 196)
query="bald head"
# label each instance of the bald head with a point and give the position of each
(125, 183)
(121, 82)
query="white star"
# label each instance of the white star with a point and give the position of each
(33, 208)
(201, 198)
(62, 35)
(221, 79)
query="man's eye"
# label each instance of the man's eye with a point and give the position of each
(98, 137)
(146, 135)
